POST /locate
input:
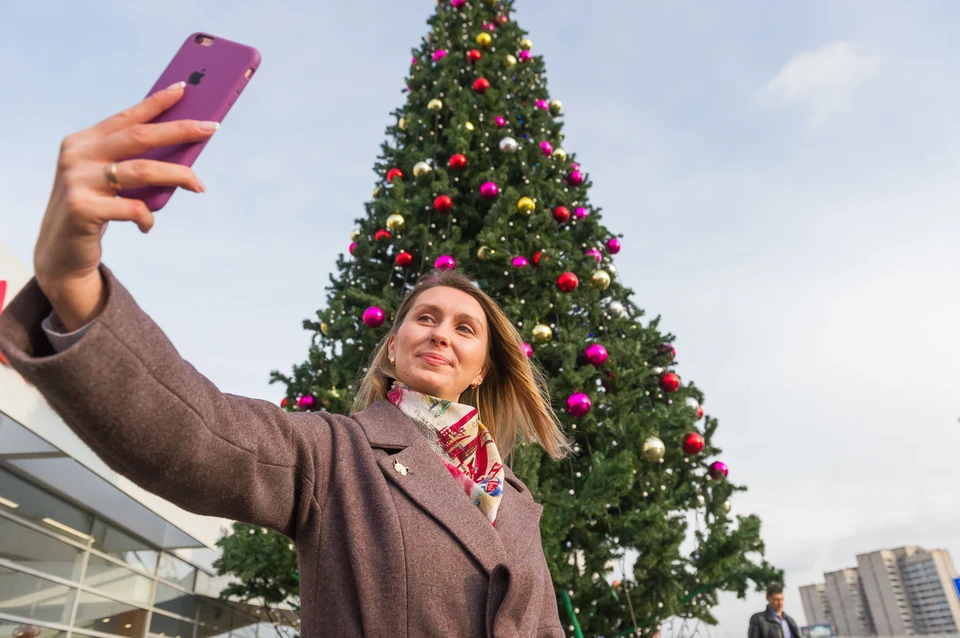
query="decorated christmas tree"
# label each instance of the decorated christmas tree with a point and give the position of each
(474, 175)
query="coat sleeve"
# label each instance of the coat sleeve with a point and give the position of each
(127, 393)
(754, 630)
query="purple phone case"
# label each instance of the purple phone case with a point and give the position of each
(215, 77)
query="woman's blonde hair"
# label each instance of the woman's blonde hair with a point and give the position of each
(513, 400)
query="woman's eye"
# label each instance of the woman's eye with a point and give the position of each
(467, 328)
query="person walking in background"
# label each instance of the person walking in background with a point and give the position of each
(772, 622)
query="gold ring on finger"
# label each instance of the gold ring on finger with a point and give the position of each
(112, 176)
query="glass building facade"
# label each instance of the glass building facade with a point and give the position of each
(65, 572)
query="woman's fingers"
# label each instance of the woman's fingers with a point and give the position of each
(140, 138)
(143, 112)
(142, 172)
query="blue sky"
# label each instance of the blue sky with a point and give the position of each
(784, 175)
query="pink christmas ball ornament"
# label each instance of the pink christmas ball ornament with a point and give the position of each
(501, 121)
(525, 56)
(613, 245)
(596, 254)
(578, 404)
(353, 246)
(374, 317)
(718, 470)
(527, 349)
(458, 3)
(575, 178)
(543, 104)
(439, 55)
(581, 213)
(546, 147)
(596, 355)
(306, 402)
(413, 62)
(669, 350)
(520, 262)
(445, 262)
(489, 190)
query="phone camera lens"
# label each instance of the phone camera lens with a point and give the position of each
(198, 39)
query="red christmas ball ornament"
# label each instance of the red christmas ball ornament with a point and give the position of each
(561, 214)
(540, 255)
(693, 444)
(404, 259)
(480, 85)
(458, 162)
(443, 204)
(381, 235)
(374, 317)
(283, 402)
(473, 55)
(669, 382)
(394, 173)
(567, 282)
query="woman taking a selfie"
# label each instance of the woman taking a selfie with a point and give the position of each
(405, 520)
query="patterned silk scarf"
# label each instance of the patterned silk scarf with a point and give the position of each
(463, 444)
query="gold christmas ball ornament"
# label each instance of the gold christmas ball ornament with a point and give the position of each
(727, 507)
(556, 107)
(526, 205)
(395, 223)
(421, 169)
(484, 39)
(354, 234)
(325, 328)
(653, 449)
(542, 333)
(469, 126)
(485, 252)
(511, 60)
(601, 279)
(559, 154)
(434, 105)
(526, 44)
(402, 124)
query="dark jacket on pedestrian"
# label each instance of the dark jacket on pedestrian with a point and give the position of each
(388, 544)
(766, 624)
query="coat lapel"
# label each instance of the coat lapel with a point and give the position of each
(429, 484)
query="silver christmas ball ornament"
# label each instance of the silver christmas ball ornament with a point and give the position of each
(616, 308)
(509, 145)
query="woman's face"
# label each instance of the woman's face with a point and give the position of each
(441, 347)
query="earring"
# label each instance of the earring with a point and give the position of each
(392, 360)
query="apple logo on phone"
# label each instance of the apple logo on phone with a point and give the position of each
(196, 76)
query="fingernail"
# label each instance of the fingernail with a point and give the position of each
(208, 126)
(200, 187)
(176, 86)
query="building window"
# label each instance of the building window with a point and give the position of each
(168, 627)
(40, 599)
(109, 616)
(175, 601)
(125, 548)
(117, 581)
(10, 629)
(30, 548)
(44, 509)
(176, 571)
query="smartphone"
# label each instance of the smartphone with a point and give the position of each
(216, 71)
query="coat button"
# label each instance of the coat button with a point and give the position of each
(402, 469)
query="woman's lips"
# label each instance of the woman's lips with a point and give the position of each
(435, 359)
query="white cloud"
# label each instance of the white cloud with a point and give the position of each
(822, 80)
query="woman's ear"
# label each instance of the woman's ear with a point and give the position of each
(391, 349)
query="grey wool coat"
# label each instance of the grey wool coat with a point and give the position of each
(382, 552)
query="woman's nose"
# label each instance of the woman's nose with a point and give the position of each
(440, 335)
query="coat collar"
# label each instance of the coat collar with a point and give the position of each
(429, 484)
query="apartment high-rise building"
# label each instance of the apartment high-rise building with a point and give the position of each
(904, 591)
(880, 577)
(846, 603)
(928, 581)
(815, 607)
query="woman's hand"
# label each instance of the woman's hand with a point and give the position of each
(84, 198)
